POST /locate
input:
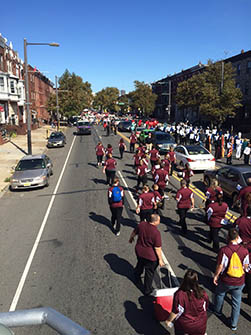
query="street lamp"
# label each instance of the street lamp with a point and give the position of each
(26, 83)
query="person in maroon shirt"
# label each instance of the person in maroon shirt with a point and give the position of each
(133, 141)
(185, 201)
(161, 179)
(158, 198)
(166, 163)
(172, 157)
(100, 151)
(137, 157)
(190, 303)
(146, 204)
(148, 251)
(229, 284)
(122, 147)
(116, 205)
(212, 192)
(216, 213)
(110, 169)
(108, 150)
(187, 173)
(243, 194)
(243, 224)
(142, 174)
(154, 155)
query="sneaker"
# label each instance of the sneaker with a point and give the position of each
(118, 233)
(233, 328)
(166, 197)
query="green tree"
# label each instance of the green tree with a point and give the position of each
(142, 98)
(215, 95)
(107, 99)
(74, 95)
(123, 103)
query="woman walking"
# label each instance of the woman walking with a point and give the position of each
(100, 151)
(122, 147)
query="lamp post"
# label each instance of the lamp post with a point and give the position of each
(26, 83)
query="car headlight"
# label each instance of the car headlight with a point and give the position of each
(12, 180)
(160, 145)
(40, 178)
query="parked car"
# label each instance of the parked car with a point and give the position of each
(138, 130)
(198, 157)
(32, 171)
(84, 128)
(231, 179)
(56, 139)
(163, 141)
(125, 126)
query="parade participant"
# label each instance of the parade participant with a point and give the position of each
(166, 163)
(100, 151)
(172, 157)
(141, 148)
(242, 196)
(137, 157)
(148, 251)
(216, 217)
(238, 144)
(110, 169)
(122, 147)
(191, 137)
(116, 203)
(133, 141)
(187, 173)
(243, 225)
(141, 172)
(230, 145)
(154, 156)
(108, 129)
(146, 204)
(108, 150)
(149, 142)
(190, 303)
(212, 192)
(246, 154)
(161, 179)
(229, 276)
(185, 201)
(158, 198)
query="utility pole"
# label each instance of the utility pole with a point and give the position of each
(57, 106)
(27, 98)
(169, 99)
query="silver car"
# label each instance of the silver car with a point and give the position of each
(32, 171)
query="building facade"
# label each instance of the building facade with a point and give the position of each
(12, 93)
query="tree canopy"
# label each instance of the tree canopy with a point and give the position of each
(74, 95)
(142, 98)
(212, 91)
(107, 99)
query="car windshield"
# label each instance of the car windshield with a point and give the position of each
(246, 176)
(56, 135)
(165, 138)
(30, 164)
(83, 123)
(126, 123)
(197, 150)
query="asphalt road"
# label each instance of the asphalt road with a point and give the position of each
(80, 268)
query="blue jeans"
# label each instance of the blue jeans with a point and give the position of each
(236, 294)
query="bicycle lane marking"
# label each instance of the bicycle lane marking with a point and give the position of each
(39, 235)
(176, 282)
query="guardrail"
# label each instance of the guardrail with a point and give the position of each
(40, 316)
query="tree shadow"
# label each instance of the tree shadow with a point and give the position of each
(141, 319)
(100, 219)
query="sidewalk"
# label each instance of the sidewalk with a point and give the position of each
(12, 151)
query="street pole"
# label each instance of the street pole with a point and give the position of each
(57, 106)
(169, 99)
(27, 103)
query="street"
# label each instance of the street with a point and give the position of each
(80, 268)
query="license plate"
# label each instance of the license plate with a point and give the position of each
(27, 184)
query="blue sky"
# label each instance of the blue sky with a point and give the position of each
(113, 43)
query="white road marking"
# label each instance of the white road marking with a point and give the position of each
(39, 235)
(174, 277)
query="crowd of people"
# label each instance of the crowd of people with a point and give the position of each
(233, 269)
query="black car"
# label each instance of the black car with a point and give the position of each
(56, 139)
(84, 128)
(125, 126)
(163, 141)
(231, 179)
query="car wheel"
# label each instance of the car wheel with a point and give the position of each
(207, 181)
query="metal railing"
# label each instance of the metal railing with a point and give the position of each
(40, 316)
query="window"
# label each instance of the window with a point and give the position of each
(1, 62)
(238, 68)
(249, 67)
(1, 84)
(246, 87)
(12, 86)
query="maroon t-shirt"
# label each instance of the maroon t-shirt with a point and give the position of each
(193, 312)
(110, 164)
(166, 164)
(142, 170)
(242, 195)
(148, 238)
(146, 200)
(100, 150)
(122, 145)
(218, 214)
(184, 196)
(161, 177)
(224, 257)
(109, 150)
(115, 204)
(137, 158)
(133, 139)
(211, 193)
(154, 155)
(172, 156)
(244, 225)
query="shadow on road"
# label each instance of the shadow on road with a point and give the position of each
(100, 219)
(120, 266)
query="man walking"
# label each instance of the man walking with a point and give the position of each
(185, 201)
(148, 251)
(116, 202)
(133, 141)
(229, 276)
(110, 169)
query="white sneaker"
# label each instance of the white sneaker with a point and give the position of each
(166, 197)
(118, 233)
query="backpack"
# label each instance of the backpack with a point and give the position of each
(235, 268)
(116, 194)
